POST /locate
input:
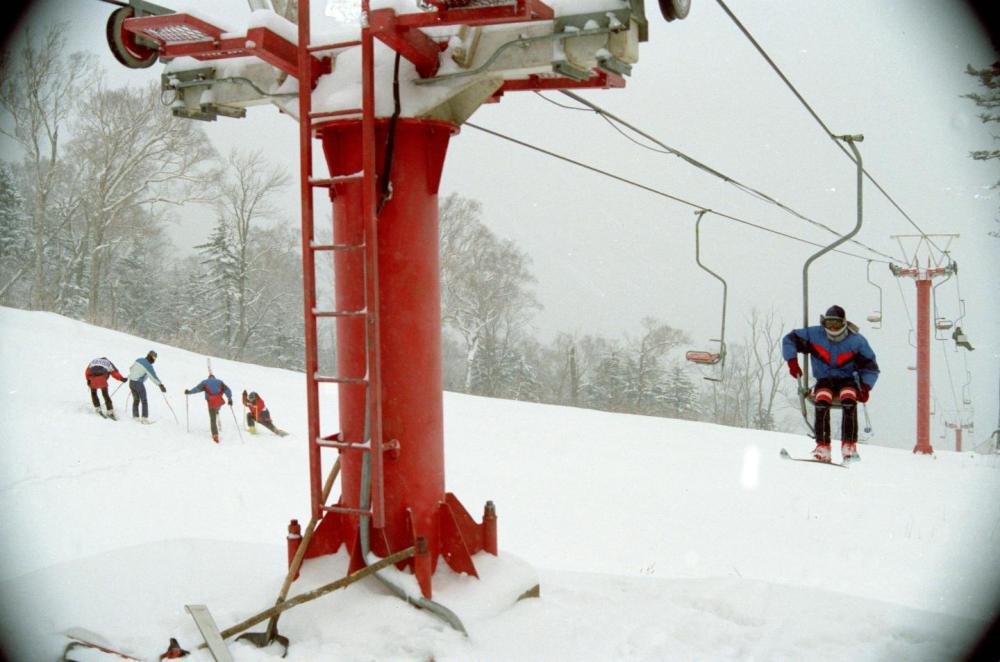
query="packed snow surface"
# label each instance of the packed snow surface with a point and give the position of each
(652, 539)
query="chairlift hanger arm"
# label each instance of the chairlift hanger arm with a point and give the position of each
(725, 288)
(850, 140)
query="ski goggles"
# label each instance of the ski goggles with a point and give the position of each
(833, 323)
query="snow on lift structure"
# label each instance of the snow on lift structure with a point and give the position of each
(805, 391)
(876, 316)
(709, 358)
(384, 172)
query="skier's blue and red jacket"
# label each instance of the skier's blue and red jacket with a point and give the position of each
(833, 360)
(214, 389)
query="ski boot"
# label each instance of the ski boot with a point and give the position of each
(252, 429)
(99, 412)
(822, 452)
(849, 451)
(145, 421)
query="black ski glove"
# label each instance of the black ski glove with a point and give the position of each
(163, 389)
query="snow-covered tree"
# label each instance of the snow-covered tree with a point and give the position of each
(988, 98)
(132, 154)
(485, 297)
(40, 83)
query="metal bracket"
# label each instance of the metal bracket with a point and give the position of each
(613, 65)
(571, 71)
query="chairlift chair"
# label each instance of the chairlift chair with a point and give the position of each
(805, 390)
(941, 323)
(705, 357)
(876, 316)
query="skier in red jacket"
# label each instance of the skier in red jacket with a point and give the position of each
(216, 392)
(97, 374)
(259, 414)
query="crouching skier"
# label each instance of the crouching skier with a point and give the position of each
(845, 367)
(97, 374)
(258, 413)
(216, 392)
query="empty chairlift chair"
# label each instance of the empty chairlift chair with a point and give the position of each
(705, 357)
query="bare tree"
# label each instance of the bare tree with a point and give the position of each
(39, 85)
(648, 351)
(247, 200)
(766, 376)
(484, 296)
(752, 377)
(132, 154)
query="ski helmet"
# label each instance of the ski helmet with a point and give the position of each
(252, 397)
(834, 322)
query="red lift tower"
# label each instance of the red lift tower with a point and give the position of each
(923, 275)
(384, 154)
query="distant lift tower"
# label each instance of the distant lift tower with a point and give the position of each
(385, 125)
(934, 266)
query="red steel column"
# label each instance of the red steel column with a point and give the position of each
(410, 323)
(923, 366)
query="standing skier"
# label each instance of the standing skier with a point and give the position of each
(97, 374)
(845, 367)
(258, 413)
(214, 390)
(142, 368)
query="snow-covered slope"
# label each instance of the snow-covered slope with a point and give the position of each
(654, 539)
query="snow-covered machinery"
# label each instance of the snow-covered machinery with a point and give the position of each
(384, 86)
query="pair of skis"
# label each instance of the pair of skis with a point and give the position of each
(788, 456)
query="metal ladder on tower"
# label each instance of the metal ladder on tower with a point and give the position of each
(370, 505)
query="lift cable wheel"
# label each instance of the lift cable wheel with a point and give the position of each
(132, 51)
(675, 9)
(708, 358)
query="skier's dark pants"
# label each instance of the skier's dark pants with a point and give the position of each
(265, 420)
(107, 398)
(846, 389)
(138, 395)
(213, 419)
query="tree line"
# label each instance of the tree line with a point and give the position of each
(103, 171)
(84, 214)
(490, 347)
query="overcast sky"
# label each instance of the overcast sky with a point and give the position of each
(606, 254)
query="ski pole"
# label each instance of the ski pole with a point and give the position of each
(236, 423)
(116, 389)
(176, 420)
(868, 421)
(187, 417)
